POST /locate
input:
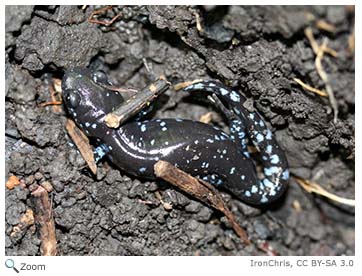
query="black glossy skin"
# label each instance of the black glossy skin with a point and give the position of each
(199, 149)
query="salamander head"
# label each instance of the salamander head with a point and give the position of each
(87, 99)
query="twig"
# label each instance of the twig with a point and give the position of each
(325, 26)
(310, 88)
(206, 118)
(309, 34)
(201, 190)
(102, 22)
(26, 220)
(312, 187)
(182, 85)
(50, 103)
(43, 217)
(55, 90)
(82, 143)
(138, 101)
(198, 22)
(351, 41)
(323, 75)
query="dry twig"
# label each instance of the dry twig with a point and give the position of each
(182, 85)
(102, 22)
(319, 51)
(26, 220)
(206, 118)
(310, 88)
(325, 26)
(82, 143)
(312, 187)
(201, 190)
(44, 218)
(323, 75)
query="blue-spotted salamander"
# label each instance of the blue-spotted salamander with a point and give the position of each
(197, 148)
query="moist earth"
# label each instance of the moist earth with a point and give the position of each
(256, 49)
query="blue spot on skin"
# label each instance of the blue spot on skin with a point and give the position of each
(260, 138)
(247, 194)
(254, 189)
(285, 174)
(224, 91)
(197, 86)
(234, 96)
(268, 135)
(269, 149)
(274, 159)
(143, 169)
(241, 135)
(143, 128)
(268, 183)
(264, 199)
(271, 170)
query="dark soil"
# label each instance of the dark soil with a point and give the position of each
(258, 50)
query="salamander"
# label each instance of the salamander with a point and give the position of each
(199, 149)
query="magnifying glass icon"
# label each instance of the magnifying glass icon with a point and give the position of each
(9, 263)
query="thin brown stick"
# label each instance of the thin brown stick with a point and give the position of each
(351, 42)
(102, 22)
(181, 85)
(325, 26)
(206, 118)
(312, 187)
(198, 22)
(82, 143)
(312, 41)
(309, 34)
(44, 219)
(310, 88)
(50, 103)
(323, 75)
(55, 101)
(201, 190)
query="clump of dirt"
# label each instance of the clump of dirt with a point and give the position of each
(257, 49)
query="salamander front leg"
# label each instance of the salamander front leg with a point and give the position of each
(100, 152)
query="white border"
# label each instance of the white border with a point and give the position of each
(180, 265)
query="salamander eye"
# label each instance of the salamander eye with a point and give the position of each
(100, 77)
(74, 99)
